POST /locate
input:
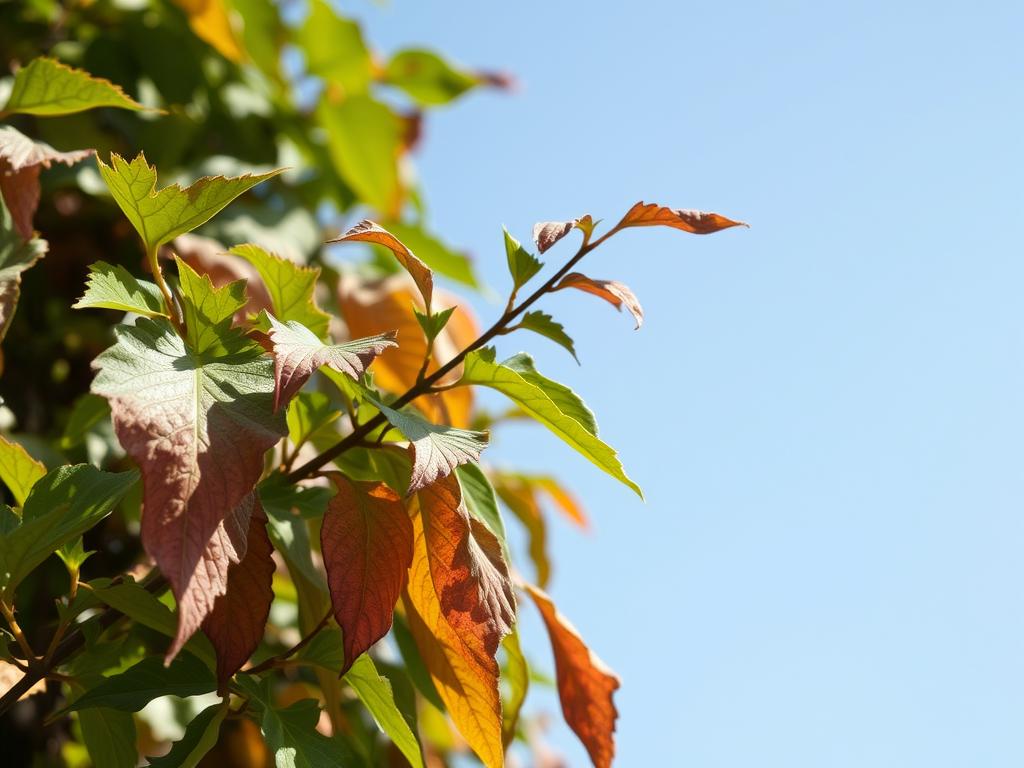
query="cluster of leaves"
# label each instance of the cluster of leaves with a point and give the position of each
(297, 447)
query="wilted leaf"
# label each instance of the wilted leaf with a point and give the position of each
(160, 216)
(235, 625)
(187, 419)
(545, 325)
(374, 690)
(335, 49)
(290, 286)
(552, 404)
(61, 506)
(47, 87)
(429, 79)
(21, 160)
(616, 294)
(200, 737)
(366, 540)
(16, 255)
(369, 232)
(465, 677)
(521, 264)
(365, 139)
(109, 737)
(437, 449)
(697, 222)
(468, 569)
(210, 21)
(298, 353)
(585, 684)
(138, 685)
(111, 287)
(18, 471)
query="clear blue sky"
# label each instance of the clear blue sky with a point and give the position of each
(826, 411)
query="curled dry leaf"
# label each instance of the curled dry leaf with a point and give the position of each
(21, 160)
(547, 233)
(615, 293)
(367, 231)
(367, 541)
(696, 222)
(585, 684)
(235, 625)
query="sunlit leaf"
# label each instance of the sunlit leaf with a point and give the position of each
(114, 287)
(616, 294)
(585, 684)
(518, 495)
(441, 258)
(366, 540)
(210, 21)
(47, 87)
(294, 740)
(545, 325)
(516, 676)
(374, 690)
(696, 222)
(291, 287)
(428, 78)
(298, 353)
(480, 499)
(552, 404)
(134, 688)
(334, 49)
(432, 325)
(369, 232)
(18, 471)
(160, 216)
(521, 264)
(200, 737)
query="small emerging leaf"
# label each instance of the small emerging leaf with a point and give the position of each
(18, 471)
(433, 324)
(547, 233)
(545, 325)
(47, 87)
(114, 287)
(696, 222)
(369, 232)
(160, 216)
(521, 265)
(616, 294)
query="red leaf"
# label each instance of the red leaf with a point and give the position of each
(235, 625)
(370, 232)
(468, 569)
(585, 684)
(611, 291)
(697, 222)
(367, 541)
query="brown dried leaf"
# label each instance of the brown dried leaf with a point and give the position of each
(697, 222)
(613, 292)
(370, 232)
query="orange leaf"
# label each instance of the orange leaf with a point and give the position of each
(699, 223)
(565, 501)
(369, 232)
(387, 305)
(466, 681)
(611, 291)
(366, 540)
(585, 684)
(235, 625)
(517, 492)
(210, 21)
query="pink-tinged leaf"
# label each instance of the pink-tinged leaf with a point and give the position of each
(615, 293)
(21, 160)
(585, 684)
(468, 569)
(696, 222)
(367, 539)
(298, 353)
(369, 232)
(198, 427)
(236, 624)
(436, 449)
(547, 233)
(16, 255)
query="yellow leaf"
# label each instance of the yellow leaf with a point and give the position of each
(210, 21)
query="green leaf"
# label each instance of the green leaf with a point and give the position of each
(138, 685)
(88, 411)
(376, 694)
(109, 737)
(433, 324)
(160, 216)
(364, 138)
(418, 672)
(114, 287)
(427, 78)
(47, 87)
(291, 287)
(16, 255)
(200, 737)
(516, 677)
(435, 254)
(481, 501)
(309, 415)
(73, 554)
(545, 325)
(521, 264)
(552, 404)
(61, 506)
(208, 310)
(18, 470)
(133, 601)
(294, 740)
(335, 49)
(437, 449)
